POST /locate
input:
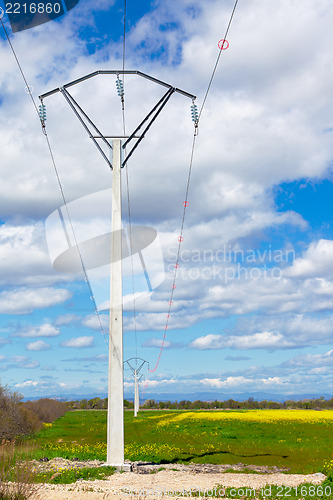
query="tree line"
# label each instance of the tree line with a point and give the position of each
(231, 404)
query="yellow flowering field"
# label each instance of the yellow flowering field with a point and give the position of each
(264, 416)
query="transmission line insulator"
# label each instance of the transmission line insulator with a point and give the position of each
(42, 113)
(194, 114)
(120, 87)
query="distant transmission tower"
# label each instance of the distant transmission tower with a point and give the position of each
(137, 377)
(115, 429)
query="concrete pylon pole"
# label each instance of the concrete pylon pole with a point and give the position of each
(115, 423)
(136, 393)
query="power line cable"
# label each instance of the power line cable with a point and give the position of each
(128, 187)
(124, 35)
(20, 68)
(186, 202)
(218, 59)
(86, 278)
(180, 240)
(42, 120)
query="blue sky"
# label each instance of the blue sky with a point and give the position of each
(252, 311)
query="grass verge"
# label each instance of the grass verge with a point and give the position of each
(68, 476)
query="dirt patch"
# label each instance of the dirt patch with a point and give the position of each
(45, 465)
(149, 468)
(151, 481)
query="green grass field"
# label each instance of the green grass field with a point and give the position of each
(300, 440)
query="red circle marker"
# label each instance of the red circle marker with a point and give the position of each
(185, 203)
(173, 286)
(168, 315)
(180, 239)
(176, 266)
(170, 302)
(223, 44)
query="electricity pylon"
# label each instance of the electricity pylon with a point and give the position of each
(137, 377)
(115, 430)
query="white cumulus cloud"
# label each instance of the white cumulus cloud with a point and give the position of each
(45, 330)
(316, 262)
(39, 345)
(260, 340)
(241, 382)
(25, 300)
(78, 342)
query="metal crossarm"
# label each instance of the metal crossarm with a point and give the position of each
(77, 110)
(159, 106)
(117, 72)
(86, 121)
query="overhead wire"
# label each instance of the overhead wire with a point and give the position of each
(128, 187)
(218, 59)
(124, 34)
(186, 202)
(86, 277)
(176, 265)
(44, 131)
(28, 88)
(128, 195)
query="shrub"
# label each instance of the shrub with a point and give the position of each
(21, 419)
(16, 481)
(47, 410)
(14, 419)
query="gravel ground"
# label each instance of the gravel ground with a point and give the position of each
(151, 483)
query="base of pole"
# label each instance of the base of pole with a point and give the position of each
(125, 467)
